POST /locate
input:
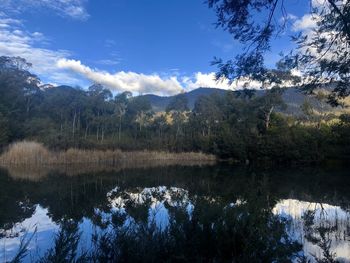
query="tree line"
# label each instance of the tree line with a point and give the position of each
(237, 125)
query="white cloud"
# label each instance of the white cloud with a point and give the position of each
(68, 8)
(55, 67)
(204, 80)
(144, 84)
(296, 72)
(208, 80)
(307, 22)
(15, 41)
(6, 22)
(318, 3)
(334, 44)
(320, 8)
(122, 81)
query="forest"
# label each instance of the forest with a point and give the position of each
(238, 126)
(175, 131)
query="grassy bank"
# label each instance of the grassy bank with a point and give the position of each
(33, 153)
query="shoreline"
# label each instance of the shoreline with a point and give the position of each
(28, 153)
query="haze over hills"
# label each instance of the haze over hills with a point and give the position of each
(159, 103)
(293, 98)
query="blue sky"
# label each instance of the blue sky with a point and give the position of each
(146, 46)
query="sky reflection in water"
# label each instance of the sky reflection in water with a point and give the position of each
(156, 200)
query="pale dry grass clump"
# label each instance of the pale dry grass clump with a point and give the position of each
(166, 156)
(25, 153)
(33, 153)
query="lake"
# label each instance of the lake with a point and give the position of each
(311, 205)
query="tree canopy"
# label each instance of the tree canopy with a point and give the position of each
(238, 125)
(321, 54)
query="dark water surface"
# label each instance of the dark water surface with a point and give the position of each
(33, 204)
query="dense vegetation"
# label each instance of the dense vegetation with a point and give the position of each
(236, 125)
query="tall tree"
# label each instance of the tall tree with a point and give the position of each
(120, 106)
(18, 88)
(139, 111)
(99, 95)
(267, 104)
(207, 113)
(177, 107)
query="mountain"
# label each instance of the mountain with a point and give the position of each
(293, 98)
(159, 103)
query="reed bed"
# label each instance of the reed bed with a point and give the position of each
(36, 154)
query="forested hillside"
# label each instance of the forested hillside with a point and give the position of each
(239, 125)
(292, 97)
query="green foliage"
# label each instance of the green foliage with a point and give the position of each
(237, 126)
(4, 130)
(66, 245)
(179, 103)
(19, 90)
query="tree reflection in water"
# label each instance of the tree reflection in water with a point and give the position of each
(213, 231)
(180, 214)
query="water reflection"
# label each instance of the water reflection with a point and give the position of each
(332, 219)
(39, 228)
(172, 195)
(149, 204)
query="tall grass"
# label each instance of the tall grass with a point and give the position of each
(25, 153)
(34, 154)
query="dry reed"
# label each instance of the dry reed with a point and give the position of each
(35, 154)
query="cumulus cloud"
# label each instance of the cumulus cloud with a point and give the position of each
(204, 80)
(208, 80)
(143, 84)
(122, 81)
(68, 8)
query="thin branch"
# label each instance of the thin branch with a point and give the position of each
(345, 20)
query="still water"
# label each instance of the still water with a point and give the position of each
(314, 203)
